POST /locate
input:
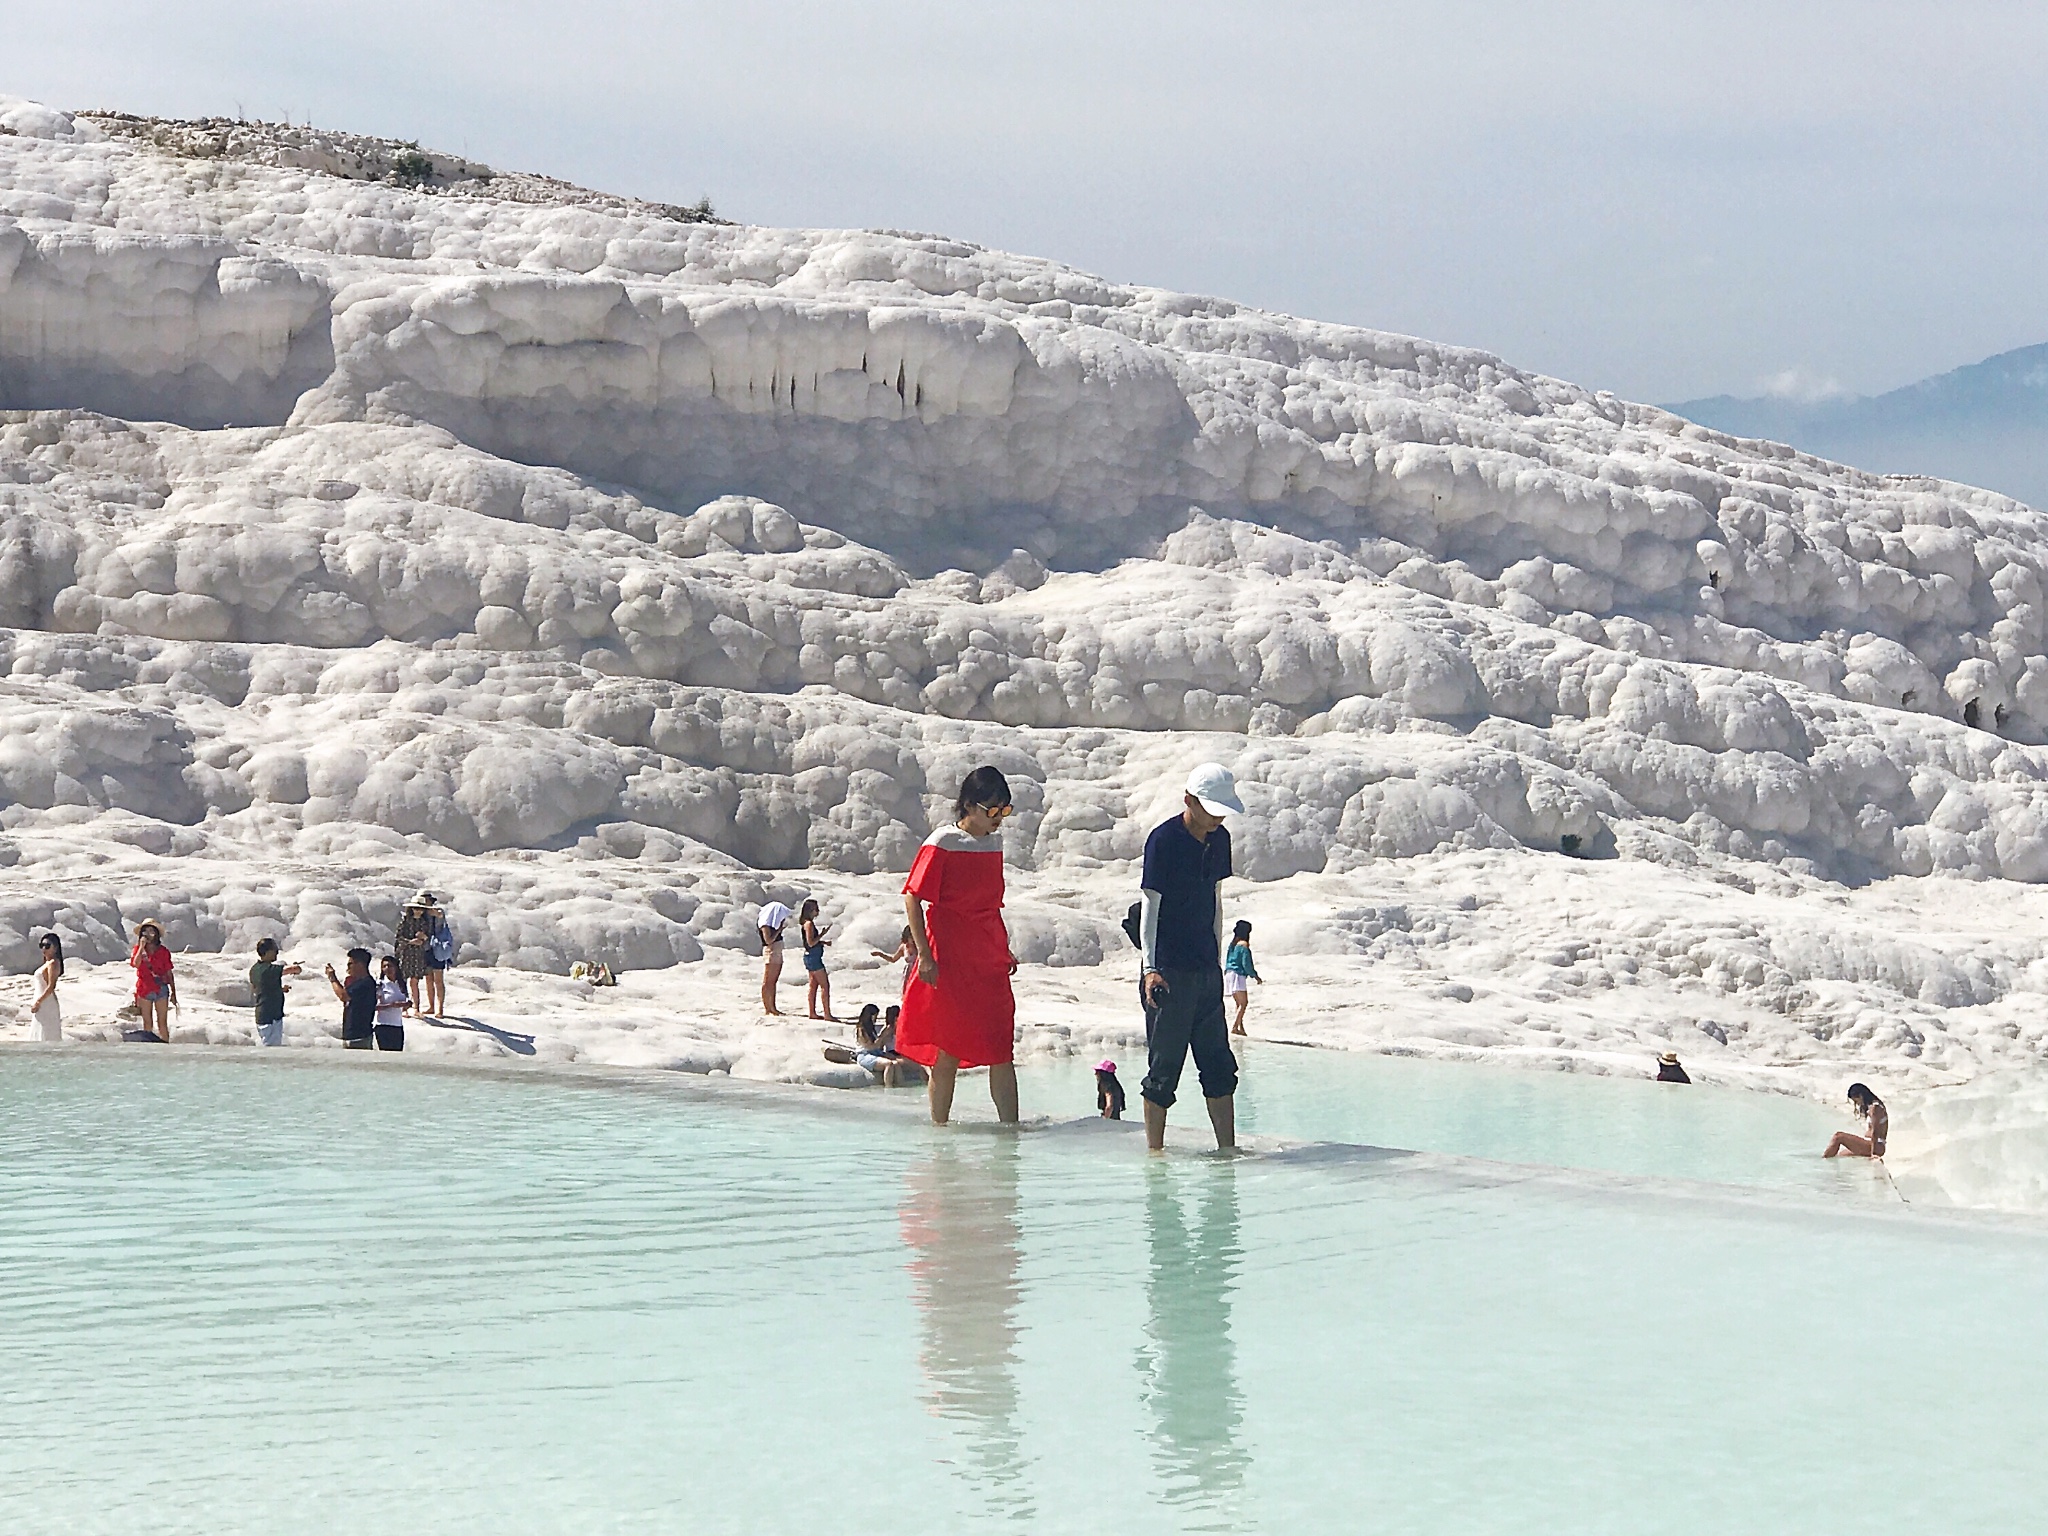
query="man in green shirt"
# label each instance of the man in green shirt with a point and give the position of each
(266, 979)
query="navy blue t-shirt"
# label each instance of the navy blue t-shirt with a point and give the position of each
(360, 1011)
(1184, 871)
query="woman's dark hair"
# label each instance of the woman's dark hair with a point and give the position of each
(390, 960)
(1242, 930)
(55, 946)
(864, 1029)
(808, 910)
(890, 1016)
(985, 787)
(1862, 1097)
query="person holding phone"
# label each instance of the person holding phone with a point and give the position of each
(357, 993)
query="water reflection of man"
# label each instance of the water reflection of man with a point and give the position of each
(959, 1220)
(1189, 1362)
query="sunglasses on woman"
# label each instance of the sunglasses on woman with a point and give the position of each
(996, 812)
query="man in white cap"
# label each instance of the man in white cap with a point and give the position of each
(1181, 934)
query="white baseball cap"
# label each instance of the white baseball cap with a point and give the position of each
(1214, 785)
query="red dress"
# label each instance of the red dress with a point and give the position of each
(971, 1013)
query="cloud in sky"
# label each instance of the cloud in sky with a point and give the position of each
(1800, 385)
(1662, 199)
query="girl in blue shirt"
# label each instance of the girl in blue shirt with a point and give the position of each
(1238, 970)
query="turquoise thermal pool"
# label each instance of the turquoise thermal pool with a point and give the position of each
(1620, 1125)
(253, 1294)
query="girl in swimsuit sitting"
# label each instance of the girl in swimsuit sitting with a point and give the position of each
(1875, 1120)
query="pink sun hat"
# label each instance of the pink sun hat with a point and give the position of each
(1105, 1065)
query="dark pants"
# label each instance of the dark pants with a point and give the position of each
(358, 1043)
(1190, 1015)
(390, 1037)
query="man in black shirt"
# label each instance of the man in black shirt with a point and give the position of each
(1181, 933)
(266, 980)
(358, 995)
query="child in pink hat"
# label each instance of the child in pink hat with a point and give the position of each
(1109, 1093)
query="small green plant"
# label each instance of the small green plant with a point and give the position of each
(410, 168)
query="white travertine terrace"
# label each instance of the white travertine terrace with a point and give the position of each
(600, 566)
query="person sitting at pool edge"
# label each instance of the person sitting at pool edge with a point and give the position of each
(1181, 933)
(1876, 1120)
(1668, 1069)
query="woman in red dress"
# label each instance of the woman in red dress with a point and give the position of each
(958, 1010)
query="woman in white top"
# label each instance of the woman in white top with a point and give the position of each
(392, 998)
(48, 1017)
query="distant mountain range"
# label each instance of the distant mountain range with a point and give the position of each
(1986, 424)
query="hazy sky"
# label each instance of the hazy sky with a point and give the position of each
(1666, 200)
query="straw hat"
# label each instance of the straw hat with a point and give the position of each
(149, 925)
(421, 898)
(1669, 1059)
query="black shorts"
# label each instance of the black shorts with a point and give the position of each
(390, 1037)
(1189, 1017)
(359, 1043)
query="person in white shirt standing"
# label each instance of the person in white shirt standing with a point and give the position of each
(773, 919)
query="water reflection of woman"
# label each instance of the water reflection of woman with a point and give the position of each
(959, 1221)
(1189, 1361)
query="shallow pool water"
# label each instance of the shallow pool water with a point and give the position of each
(1562, 1119)
(286, 1292)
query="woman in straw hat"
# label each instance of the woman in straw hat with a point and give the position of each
(415, 933)
(156, 987)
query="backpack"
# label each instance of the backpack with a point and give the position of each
(440, 942)
(1132, 926)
